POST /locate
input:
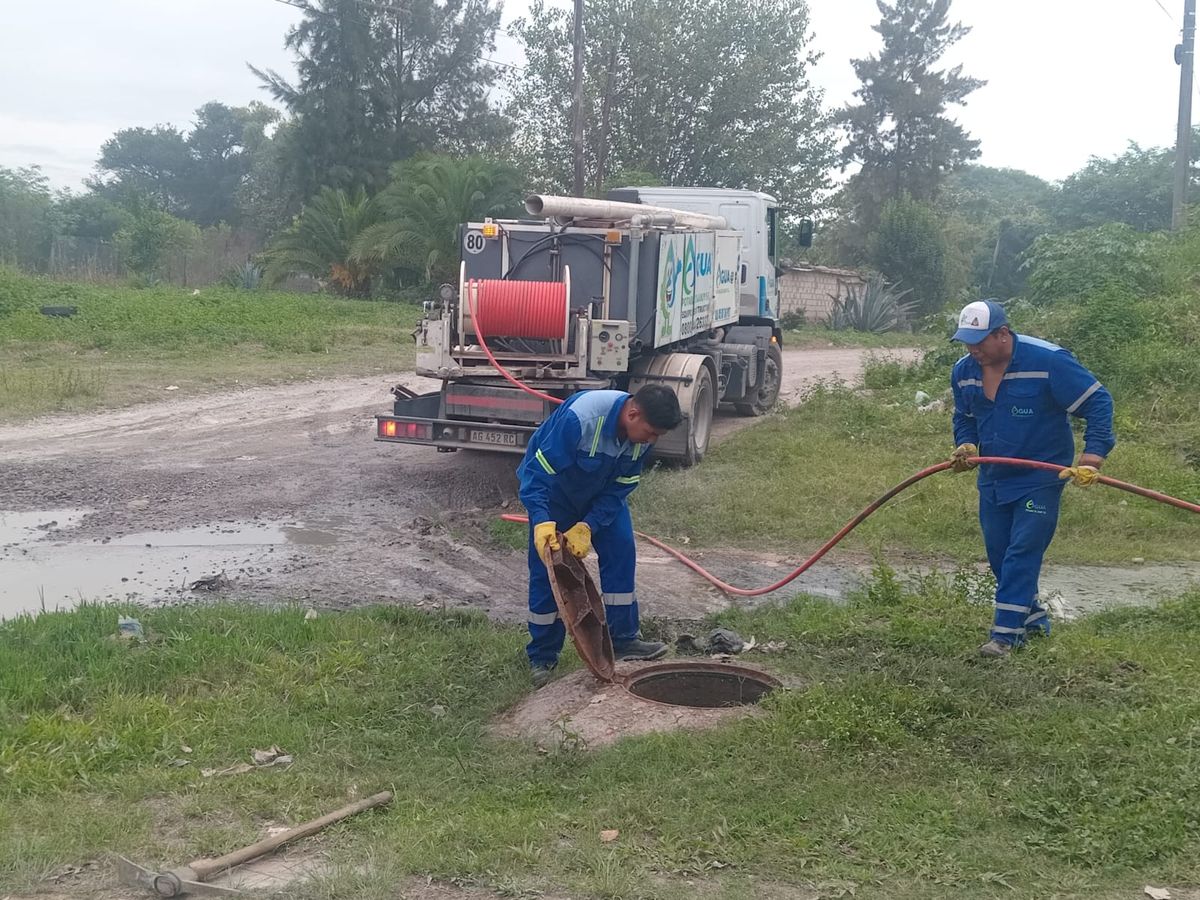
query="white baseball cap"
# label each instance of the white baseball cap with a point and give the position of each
(979, 319)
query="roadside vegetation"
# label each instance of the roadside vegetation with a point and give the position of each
(1126, 304)
(897, 766)
(125, 345)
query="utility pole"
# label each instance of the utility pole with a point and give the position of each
(578, 124)
(1185, 55)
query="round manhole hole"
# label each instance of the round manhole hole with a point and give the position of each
(702, 685)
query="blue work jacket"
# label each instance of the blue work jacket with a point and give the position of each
(577, 463)
(1043, 385)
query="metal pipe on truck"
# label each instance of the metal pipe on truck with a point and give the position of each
(547, 205)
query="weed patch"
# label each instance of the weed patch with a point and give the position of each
(124, 345)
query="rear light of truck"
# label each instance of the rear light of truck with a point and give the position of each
(390, 428)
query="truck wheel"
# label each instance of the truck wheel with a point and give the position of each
(700, 418)
(689, 376)
(767, 392)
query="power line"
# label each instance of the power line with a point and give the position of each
(1158, 3)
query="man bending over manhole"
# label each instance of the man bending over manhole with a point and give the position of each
(579, 469)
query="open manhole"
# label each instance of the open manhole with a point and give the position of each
(702, 685)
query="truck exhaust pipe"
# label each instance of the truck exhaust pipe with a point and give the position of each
(611, 211)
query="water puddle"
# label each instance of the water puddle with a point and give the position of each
(44, 567)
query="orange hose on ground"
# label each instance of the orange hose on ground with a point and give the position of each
(854, 523)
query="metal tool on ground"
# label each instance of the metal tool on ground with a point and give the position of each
(192, 878)
(874, 505)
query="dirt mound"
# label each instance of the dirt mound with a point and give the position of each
(579, 712)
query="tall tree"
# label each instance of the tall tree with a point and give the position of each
(151, 164)
(900, 133)
(268, 199)
(909, 247)
(379, 82)
(221, 145)
(700, 92)
(195, 176)
(28, 218)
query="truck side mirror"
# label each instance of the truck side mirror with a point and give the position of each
(743, 273)
(806, 233)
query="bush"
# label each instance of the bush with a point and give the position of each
(1112, 258)
(793, 320)
(144, 243)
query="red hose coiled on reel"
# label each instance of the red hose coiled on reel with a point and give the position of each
(519, 309)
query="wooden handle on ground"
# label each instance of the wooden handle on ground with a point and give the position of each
(206, 868)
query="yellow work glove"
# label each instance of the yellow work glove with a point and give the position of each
(579, 539)
(545, 537)
(1083, 476)
(958, 459)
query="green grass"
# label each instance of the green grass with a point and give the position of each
(126, 345)
(791, 482)
(899, 765)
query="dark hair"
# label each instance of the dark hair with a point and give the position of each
(660, 406)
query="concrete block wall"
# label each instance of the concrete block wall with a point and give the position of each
(812, 289)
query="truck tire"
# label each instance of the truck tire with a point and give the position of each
(699, 420)
(689, 376)
(767, 392)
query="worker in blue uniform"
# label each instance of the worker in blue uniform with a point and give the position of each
(579, 469)
(1013, 396)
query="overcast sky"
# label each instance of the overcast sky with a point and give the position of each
(1067, 79)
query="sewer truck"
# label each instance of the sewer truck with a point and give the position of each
(674, 286)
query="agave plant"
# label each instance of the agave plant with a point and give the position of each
(246, 277)
(875, 307)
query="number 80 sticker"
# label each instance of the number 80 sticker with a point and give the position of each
(474, 242)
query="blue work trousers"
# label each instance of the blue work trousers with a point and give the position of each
(617, 554)
(1016, 535)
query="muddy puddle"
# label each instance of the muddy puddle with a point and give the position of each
(44, 566)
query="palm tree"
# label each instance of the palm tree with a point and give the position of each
(319, 242)
(422, 207)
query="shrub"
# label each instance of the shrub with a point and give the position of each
(1113, 258)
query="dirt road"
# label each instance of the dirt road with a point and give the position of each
(282, 490)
